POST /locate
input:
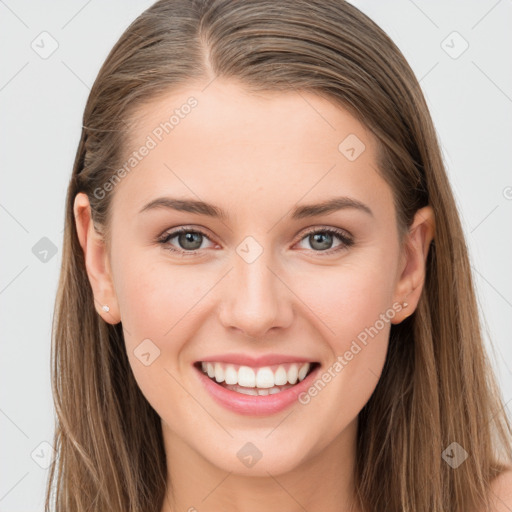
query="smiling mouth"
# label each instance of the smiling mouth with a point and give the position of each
(265, 380)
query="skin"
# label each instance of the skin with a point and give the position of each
(257, 157)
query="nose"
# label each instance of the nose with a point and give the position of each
(255, 298)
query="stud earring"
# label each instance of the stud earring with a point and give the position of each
(404, 304)
(105, 308)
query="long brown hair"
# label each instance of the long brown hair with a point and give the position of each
(437, 386)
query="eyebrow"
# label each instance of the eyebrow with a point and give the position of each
(300, 212)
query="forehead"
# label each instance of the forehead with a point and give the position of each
(240, 148)
(224, 112)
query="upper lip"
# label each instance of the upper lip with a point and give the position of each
(264, 360)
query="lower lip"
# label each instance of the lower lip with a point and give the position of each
(255, 405)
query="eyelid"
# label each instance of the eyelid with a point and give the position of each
(329, 229)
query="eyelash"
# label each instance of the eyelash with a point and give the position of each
(347, 241)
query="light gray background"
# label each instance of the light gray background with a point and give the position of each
(41, 105)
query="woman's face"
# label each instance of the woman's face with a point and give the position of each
(270, 278)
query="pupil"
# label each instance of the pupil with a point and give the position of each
(317, 237)
(190, 237)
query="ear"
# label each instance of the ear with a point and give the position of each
(96, 261)
(412, 268)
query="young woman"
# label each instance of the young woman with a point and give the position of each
(265, 299)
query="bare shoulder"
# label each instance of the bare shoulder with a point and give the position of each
(501, 492)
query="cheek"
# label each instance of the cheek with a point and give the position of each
(155, 297)
(347, 299)
(157, 302)
(353, 310)
(158, 315)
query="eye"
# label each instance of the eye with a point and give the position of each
(189, 240)
(321, 240)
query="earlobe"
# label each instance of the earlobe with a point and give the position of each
(96, 261)
(417, 244)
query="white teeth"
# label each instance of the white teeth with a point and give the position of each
(231, 375)
(219, 372)
(255, 391)
(303, 371)
(280, 377)
(265, 379)
(248, 391)
(293, 373)
(246, 377)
